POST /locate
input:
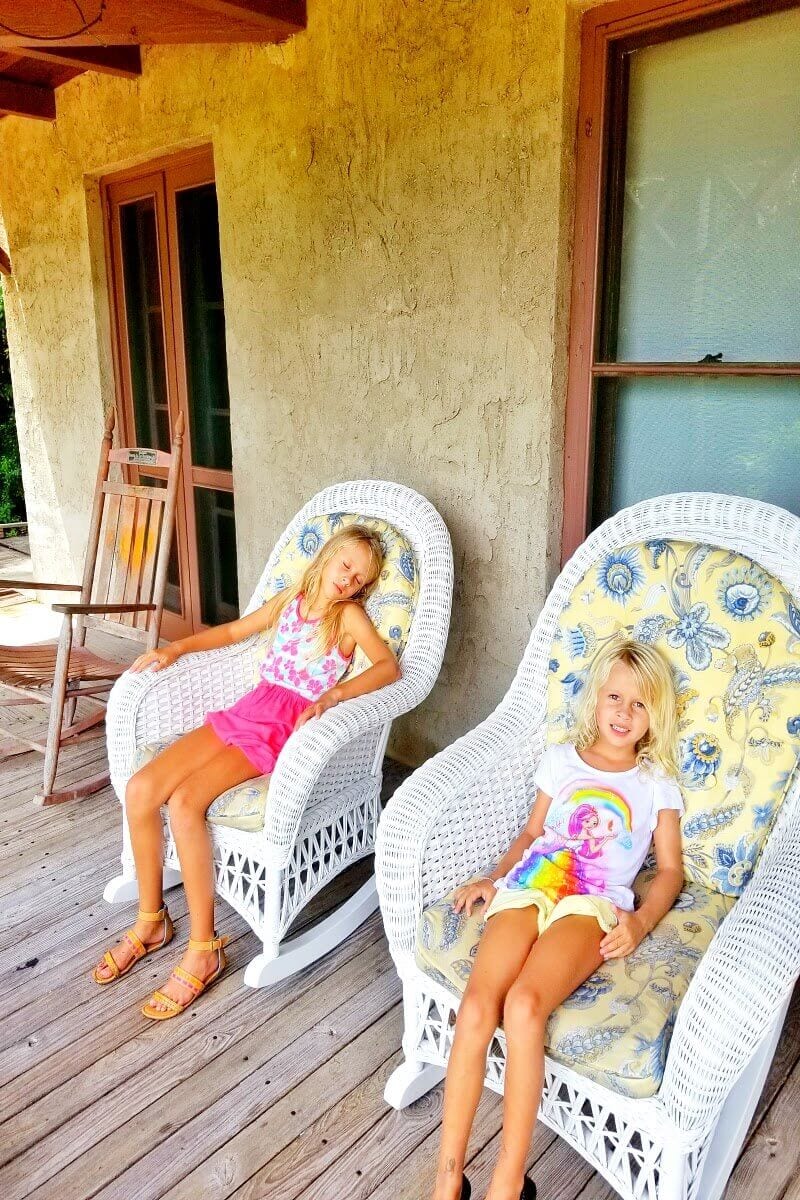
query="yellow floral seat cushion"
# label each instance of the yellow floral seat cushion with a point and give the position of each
(241, 807)
(392, 603)
(732, 634)
(616, 1028)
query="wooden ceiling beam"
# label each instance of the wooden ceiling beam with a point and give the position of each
(111, 60)
(5, 263)
(269, 14)
(27, 99)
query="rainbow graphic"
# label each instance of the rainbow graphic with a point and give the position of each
(562, 861)
(606, 798)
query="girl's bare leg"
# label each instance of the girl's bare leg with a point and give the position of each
(563, 958)
(187, 817)
(502, 952)
(147, 790)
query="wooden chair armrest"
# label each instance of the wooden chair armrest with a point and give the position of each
(35, 585)
(101, 609)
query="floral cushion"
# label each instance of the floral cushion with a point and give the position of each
(732, 634)
(616, 1027)
(241, 807)
(392, 603)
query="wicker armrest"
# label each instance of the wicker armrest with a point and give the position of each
(309, 751)
(159, 706)
(745, 977)
(453, 816)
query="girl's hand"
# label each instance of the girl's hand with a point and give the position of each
(471, 893)
(157, 659)
(327, 700)
(623, 940)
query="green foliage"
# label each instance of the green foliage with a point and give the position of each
(12, 499)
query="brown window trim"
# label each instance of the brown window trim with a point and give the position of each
(607, 33)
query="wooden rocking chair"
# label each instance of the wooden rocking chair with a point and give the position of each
(124, 579)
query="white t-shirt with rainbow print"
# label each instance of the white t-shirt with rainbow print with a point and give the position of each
(597, 830)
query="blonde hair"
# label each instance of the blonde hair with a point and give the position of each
(656, 685)
(309, 584)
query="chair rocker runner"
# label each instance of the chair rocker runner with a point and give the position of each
(122, 592)
(277, 841)
(654, 1066)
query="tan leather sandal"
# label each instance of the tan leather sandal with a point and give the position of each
(196, 986)
(137, 946)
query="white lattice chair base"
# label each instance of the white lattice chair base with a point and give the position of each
(632, 1143)
(332, 836)
(324, 796)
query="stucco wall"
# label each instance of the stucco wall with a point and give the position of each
(395, 195)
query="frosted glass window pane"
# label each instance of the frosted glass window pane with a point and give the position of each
(739, 436)
(711, 227)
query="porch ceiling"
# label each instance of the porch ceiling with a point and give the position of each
(44, 43)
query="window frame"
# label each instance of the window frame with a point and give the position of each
(608, 34)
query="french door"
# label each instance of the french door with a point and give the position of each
(169, 320)
(685, 326)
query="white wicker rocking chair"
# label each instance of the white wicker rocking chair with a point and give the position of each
(460, 811)
(324, 795)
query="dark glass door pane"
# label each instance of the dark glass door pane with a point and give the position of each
(204, 327)
(216, 554)
(140, 267)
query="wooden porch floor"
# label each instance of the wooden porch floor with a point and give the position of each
(271, 1094)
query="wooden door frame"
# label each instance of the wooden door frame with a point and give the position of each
(162, 177)
(606, 33)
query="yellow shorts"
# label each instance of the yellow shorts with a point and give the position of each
(552, 910)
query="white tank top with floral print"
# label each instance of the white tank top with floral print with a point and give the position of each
(294, 660)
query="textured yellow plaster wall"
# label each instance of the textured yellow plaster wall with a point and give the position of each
(395, 191)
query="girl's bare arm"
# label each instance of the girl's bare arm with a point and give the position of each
(661, 894)
(385, 668)
(209, 639)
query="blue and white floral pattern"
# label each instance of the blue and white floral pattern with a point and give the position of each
(620, 574)
(407, 565)
(745, 593)
(736, 865)
(310, 540)
(694, 632)
(700, 758)
(580, 640)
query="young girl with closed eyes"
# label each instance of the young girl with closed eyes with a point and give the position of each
(315, 627)
(559, 902)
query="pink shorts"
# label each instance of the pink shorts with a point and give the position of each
(260, 724)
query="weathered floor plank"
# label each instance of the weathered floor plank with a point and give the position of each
(273, 1095)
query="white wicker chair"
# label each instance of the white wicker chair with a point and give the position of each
(460, 811)
(324, 799)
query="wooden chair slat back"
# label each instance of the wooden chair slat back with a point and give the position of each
(130, 535)
(149, 553)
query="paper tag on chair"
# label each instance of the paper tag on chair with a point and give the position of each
(143, 458)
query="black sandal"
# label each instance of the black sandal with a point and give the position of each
(528, 1189)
